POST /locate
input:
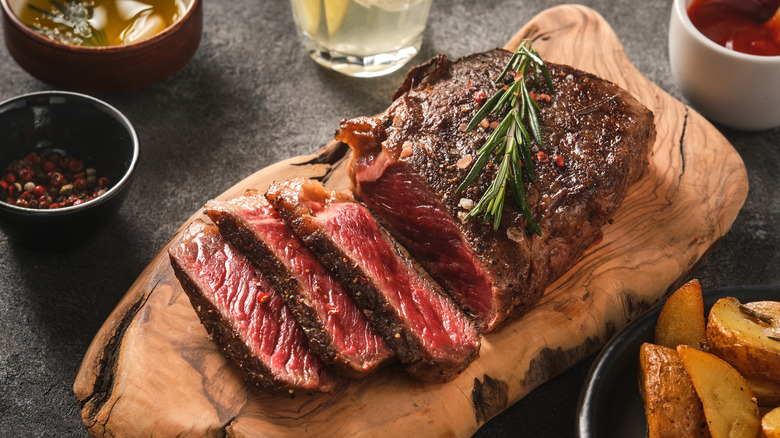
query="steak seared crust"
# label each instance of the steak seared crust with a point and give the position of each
(427, 331)
(408, 161)
(337, 330)
(243, 315)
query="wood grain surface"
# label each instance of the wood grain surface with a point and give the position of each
(151, 369)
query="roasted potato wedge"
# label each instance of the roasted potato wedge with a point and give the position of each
(681, 321)
(770, 423)
(747, 337)
(729, 406)
(767, 393)
(672, 407)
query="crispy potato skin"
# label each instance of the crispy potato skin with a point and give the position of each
(714, 371)
(681, 321)
(770, 423)
(672, 407)
(743, 341)
(729, 405)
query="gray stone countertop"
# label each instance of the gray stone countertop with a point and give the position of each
(248, 98)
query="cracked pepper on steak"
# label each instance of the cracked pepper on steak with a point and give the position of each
(408, 161)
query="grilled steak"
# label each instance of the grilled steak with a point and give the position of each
(408, 162)
(244, 315)
(337, 330)
(422, 325)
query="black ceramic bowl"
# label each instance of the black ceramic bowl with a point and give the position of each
(82, 127)
(609, 404)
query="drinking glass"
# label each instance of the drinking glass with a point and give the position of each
(363, 38)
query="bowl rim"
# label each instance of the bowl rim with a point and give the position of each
(110, 193)
(681, 10)
(138, 45)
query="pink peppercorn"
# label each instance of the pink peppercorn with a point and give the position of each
(55, 179)
(480, 97)
(48, 166)
(50, 180)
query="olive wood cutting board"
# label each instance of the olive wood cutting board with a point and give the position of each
(151, 369)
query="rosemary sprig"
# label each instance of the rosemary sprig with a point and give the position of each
(71, 16)
(760, 317)
(510, 142)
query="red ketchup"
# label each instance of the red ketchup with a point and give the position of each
(746, 26)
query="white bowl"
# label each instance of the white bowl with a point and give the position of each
(735, 89)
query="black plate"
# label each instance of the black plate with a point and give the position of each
(609, 403)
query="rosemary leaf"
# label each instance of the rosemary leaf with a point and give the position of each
(511, 65)
(486, 109)
(546, 74)
(497, 135)
(508, 97)
(533, 54)
(533, 118)
(524, 149)
(519, 189)
(476, 168)
(755, 315)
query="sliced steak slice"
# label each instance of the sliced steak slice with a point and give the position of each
(408, 162)
(338, 331)
(424, 327)
(244, 315)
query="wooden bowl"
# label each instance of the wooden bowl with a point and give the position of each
(107, 69)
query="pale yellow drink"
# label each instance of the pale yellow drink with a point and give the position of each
(361, 37)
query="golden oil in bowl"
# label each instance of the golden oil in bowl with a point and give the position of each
(100, 22)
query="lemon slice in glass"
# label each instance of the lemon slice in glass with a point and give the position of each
(308, 12)
(334, 14)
